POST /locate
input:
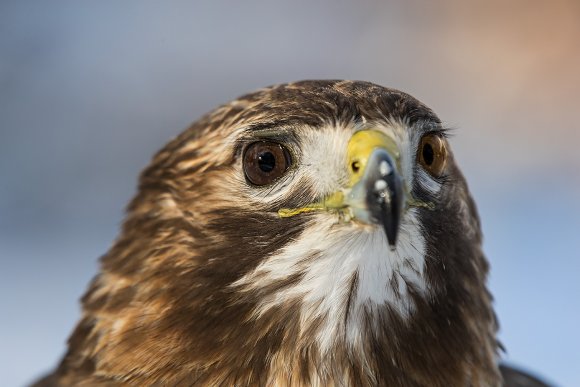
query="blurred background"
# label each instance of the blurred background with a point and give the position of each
(90, 90)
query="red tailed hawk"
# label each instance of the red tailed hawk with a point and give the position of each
(313, 233)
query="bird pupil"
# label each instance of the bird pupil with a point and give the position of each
(266, 162)
(428, 154)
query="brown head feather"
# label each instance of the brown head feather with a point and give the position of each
(163, 310)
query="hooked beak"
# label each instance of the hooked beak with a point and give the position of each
(376, 194)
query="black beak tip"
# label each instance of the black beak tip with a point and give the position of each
(384, 190)
(391, 233)
(390, 212)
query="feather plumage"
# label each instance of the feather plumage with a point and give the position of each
(195, 290)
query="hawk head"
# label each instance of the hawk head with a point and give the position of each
(317, 232)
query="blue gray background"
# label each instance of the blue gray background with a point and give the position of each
(89, 90)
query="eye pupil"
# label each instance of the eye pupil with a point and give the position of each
(428, 154)
(266, 161)
(432, 154)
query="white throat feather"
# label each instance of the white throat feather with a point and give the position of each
(327, 256)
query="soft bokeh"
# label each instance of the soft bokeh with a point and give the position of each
(89, 90)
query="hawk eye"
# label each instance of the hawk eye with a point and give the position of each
(432, 154)
(265, 161)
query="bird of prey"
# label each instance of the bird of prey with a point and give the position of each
(312, 233)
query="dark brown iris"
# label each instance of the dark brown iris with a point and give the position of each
(265, 161)
(432, 154)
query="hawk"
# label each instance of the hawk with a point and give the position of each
(310, 233)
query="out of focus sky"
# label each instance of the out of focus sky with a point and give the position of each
(90, 90)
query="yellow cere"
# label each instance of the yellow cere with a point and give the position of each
(359, 149)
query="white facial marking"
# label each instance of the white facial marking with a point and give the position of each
(327, 255)
(331, 252)
(427, 182)
(321, 159)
